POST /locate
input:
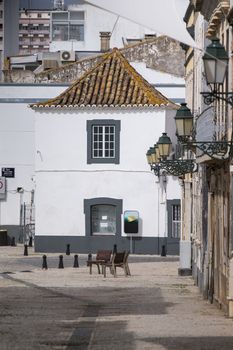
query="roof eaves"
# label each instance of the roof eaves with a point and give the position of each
(36, 106)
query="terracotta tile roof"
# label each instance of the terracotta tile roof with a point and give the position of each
(112, 82)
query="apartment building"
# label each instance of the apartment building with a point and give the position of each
(34, 31)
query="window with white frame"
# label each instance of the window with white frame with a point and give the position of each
(103, 141)
(67, 25)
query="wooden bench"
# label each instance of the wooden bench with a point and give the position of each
(102, 257)
(118, 260)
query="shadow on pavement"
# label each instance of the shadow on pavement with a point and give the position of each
(191, 343)
(42, 318)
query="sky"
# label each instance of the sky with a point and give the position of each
(182, 6)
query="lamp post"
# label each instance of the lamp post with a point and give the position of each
(164, 145)
(184, 123)
(186, 135)
(157, 159)
(215, 66)
(215, 62)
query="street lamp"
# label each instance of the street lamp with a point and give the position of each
(184, 123)
(157, 159)
(164, 145)
(186, 132)
(153, 160)
(215, 62)
(215, 66)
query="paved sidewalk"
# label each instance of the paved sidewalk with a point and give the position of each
(70, 309)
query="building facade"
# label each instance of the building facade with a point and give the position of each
(207, 197)
(34, 31)
(86, 184)
(15, 97)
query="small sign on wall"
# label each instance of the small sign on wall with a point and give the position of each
(131, 218)
(8, 172)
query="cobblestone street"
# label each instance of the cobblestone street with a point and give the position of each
(70, 309)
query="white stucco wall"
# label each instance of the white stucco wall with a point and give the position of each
(17, 145)
(64, 179)
(17, 92)
(16, 151)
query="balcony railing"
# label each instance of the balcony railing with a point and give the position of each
(34, 43)
(35, 32)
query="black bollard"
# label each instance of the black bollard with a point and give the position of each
(68, 249)
(25, 250)
(61, 266)
(163, 252)
(30, 242)
(89, 258)
(13, 242)
(44, 263)
(76, 264)
(114, 249)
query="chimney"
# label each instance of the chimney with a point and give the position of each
(105, 41)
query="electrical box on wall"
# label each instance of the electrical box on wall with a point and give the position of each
(2, 187)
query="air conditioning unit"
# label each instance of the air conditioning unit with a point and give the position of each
(67, 56)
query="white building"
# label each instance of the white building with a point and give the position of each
(34, 31)
(17, 151)
(17, 140)
(90, 167)
(79, 28)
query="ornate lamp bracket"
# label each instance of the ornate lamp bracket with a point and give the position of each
(221, 150)
(156, 169)
(210, 97)
(175, 167)
(179, 167)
